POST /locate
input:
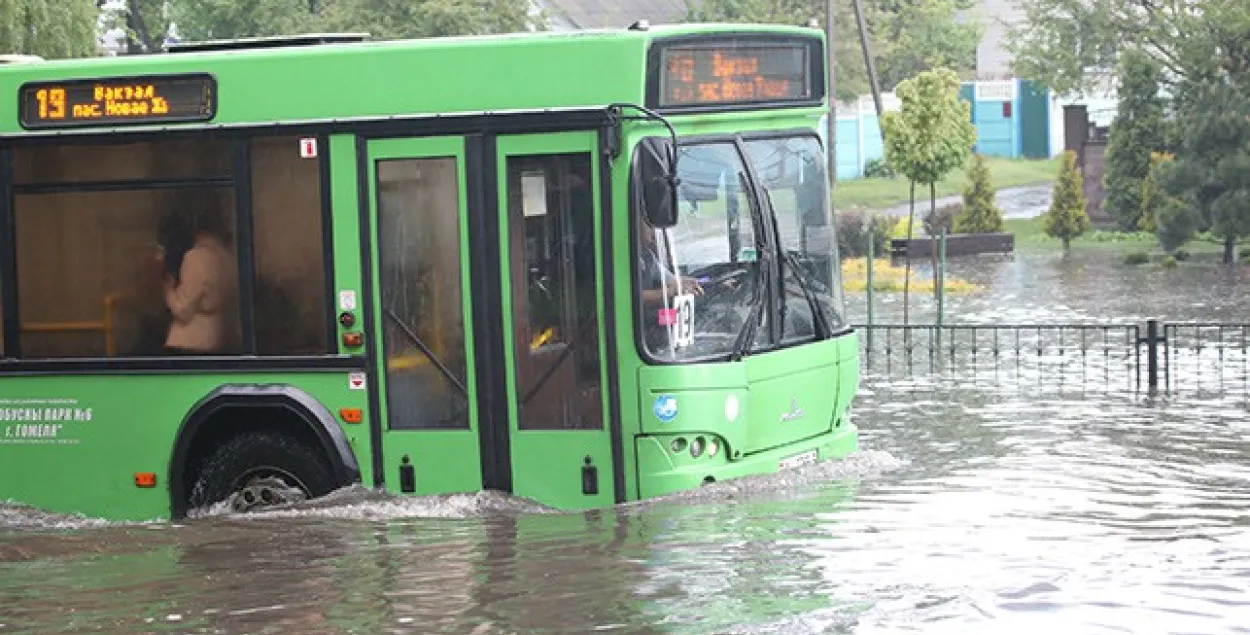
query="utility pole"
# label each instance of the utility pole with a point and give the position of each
(868, 62)
(832, 90)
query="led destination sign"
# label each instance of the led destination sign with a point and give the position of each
(735, 72)
(118, 101)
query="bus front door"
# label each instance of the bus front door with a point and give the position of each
(424, 343)
(559, 440)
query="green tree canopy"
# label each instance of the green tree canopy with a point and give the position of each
(932, 133)
(49, 28)
(1058, 41)
(1210, 178)
(148, 21)
(1137, 131)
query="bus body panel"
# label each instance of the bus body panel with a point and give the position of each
(417, 92)
(74, 443)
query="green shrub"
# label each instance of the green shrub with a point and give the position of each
(980, 215)
(943, 217)
(878, 169)
(1136, 258)
(1169, 262)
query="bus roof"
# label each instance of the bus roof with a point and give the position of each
(324, 79)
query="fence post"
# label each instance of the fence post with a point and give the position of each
(1152, 354)
(868, 273)
(941, 276)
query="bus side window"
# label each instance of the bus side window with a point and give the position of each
(125, 249)
(289, 252)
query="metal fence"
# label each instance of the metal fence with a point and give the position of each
(1161, 357)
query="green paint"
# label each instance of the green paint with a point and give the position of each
(442, 460)
(88, 465)
(547, 464)
(788, 401)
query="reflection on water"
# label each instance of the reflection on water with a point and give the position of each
(1033, 287)
(976, 512)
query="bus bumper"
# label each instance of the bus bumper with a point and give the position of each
(662, 469)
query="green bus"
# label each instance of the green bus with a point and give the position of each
(581, 268)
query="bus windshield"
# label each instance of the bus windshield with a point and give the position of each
(705, 280)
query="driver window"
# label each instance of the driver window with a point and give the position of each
(697, 280)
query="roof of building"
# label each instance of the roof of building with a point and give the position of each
(613, 14)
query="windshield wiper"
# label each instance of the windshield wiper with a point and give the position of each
(823, 330)
(746, 335)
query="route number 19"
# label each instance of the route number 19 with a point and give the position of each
(683, 326)
(51, 103)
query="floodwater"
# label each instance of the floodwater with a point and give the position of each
(967, 511)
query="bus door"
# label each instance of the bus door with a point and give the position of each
(424, 344)
(559, 436)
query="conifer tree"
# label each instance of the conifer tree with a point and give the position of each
(1066, 219)
(1152, 194)
(980, 215)
(1136, 132)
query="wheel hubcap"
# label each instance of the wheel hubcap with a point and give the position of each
(266, 488)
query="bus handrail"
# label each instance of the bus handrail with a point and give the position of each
(106, 325)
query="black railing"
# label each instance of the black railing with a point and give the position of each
(1155, 356)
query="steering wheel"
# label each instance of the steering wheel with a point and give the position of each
(723, 278)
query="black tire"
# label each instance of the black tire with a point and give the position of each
(253, 454)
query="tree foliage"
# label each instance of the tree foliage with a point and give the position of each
(906, 36)
(1058, 41)
(980, 214)
(932, 133)
(147, 22)
(1136, 132)
(1066, 219)
(1210, 177)
(1152, 195)
(49, 28)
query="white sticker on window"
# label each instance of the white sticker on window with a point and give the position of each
(534, 194)
(347, 300)
(682, 328)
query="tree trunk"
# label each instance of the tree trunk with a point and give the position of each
(911, 217)
(1230, 249)
(933, 243)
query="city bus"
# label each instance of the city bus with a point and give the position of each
(579, 268)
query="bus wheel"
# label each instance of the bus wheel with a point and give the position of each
(261, 469)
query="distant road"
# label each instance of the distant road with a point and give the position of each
(1016, 202)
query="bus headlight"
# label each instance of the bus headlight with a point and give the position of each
(697, 446)
(712, 448)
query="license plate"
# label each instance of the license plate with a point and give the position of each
(795, 460)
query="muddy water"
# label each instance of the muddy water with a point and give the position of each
(967, 511)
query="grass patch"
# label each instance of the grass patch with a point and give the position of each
(1030, 235)
(890, 277)
(882, 193)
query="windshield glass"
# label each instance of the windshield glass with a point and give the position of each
(698, 280)
(792, 174)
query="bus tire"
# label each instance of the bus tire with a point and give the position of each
(261, 468)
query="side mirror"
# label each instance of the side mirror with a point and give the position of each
(656, 180)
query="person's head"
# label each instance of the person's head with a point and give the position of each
(209, 221)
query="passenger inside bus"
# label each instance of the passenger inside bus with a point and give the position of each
(200, 284)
